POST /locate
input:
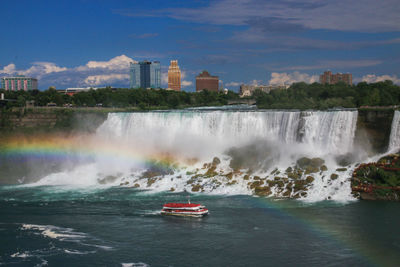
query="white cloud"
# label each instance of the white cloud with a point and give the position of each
(164, 78)
(117, 63)
(233, 84)
(39, 69)
(329, 64)
(94, 80)
(9, 69)
(94, 73)
(289, 78)
(186, 83)
(372, 78)
(256, 82)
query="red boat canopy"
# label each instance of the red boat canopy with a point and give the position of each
(181, 205)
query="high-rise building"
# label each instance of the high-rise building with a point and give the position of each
(329, 78)
(134, 75)
(145, 74)
(204, 81)
(20, 82)
(174, 76)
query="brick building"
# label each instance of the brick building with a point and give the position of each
(205, 81)
(329, 78)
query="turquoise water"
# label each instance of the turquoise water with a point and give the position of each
(60, 226)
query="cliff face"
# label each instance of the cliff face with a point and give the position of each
(25, 125)
(48, 119)
(373, 129)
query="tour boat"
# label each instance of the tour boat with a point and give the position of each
(184, 209)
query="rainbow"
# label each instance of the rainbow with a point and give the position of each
(59, 148)
(367, 250)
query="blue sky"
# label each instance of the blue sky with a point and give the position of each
(91, 42)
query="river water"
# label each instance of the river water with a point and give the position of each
(116, 226)
(95, 200)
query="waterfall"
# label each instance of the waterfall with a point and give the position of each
(323, 131)
(394, 141)
(268, 143)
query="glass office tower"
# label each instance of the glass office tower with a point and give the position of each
(145, 74)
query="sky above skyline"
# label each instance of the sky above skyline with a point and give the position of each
(91, 42)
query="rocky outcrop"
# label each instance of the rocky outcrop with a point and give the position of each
(378, 180)
(45, 119)
(373, 129)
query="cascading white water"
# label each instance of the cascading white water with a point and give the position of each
(394, 141)
(324, 132)
(282, 137)
(332, 131)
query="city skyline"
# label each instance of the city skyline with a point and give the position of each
(91, 43)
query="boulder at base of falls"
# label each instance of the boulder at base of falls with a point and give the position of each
(151, 174)
(253, 157)
(345, 160)
(216, 161)
(107, 180)
(232, 182)
(311, 169)
(211, 172)
(255, 184)
(305, 162)
(309, 179)
(262, 191)
(197, 188)
(151, 181)
(334, 176)
(299, 185)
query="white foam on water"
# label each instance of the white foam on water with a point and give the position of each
(20, 255)
(77, 252)
(134, 264)
(55, 232)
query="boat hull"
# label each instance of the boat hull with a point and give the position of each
(185, 214)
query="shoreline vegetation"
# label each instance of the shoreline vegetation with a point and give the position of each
(378, 180)
(300, 96)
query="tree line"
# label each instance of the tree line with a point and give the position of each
(121, 98)
(323, 96)
(297, 96)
